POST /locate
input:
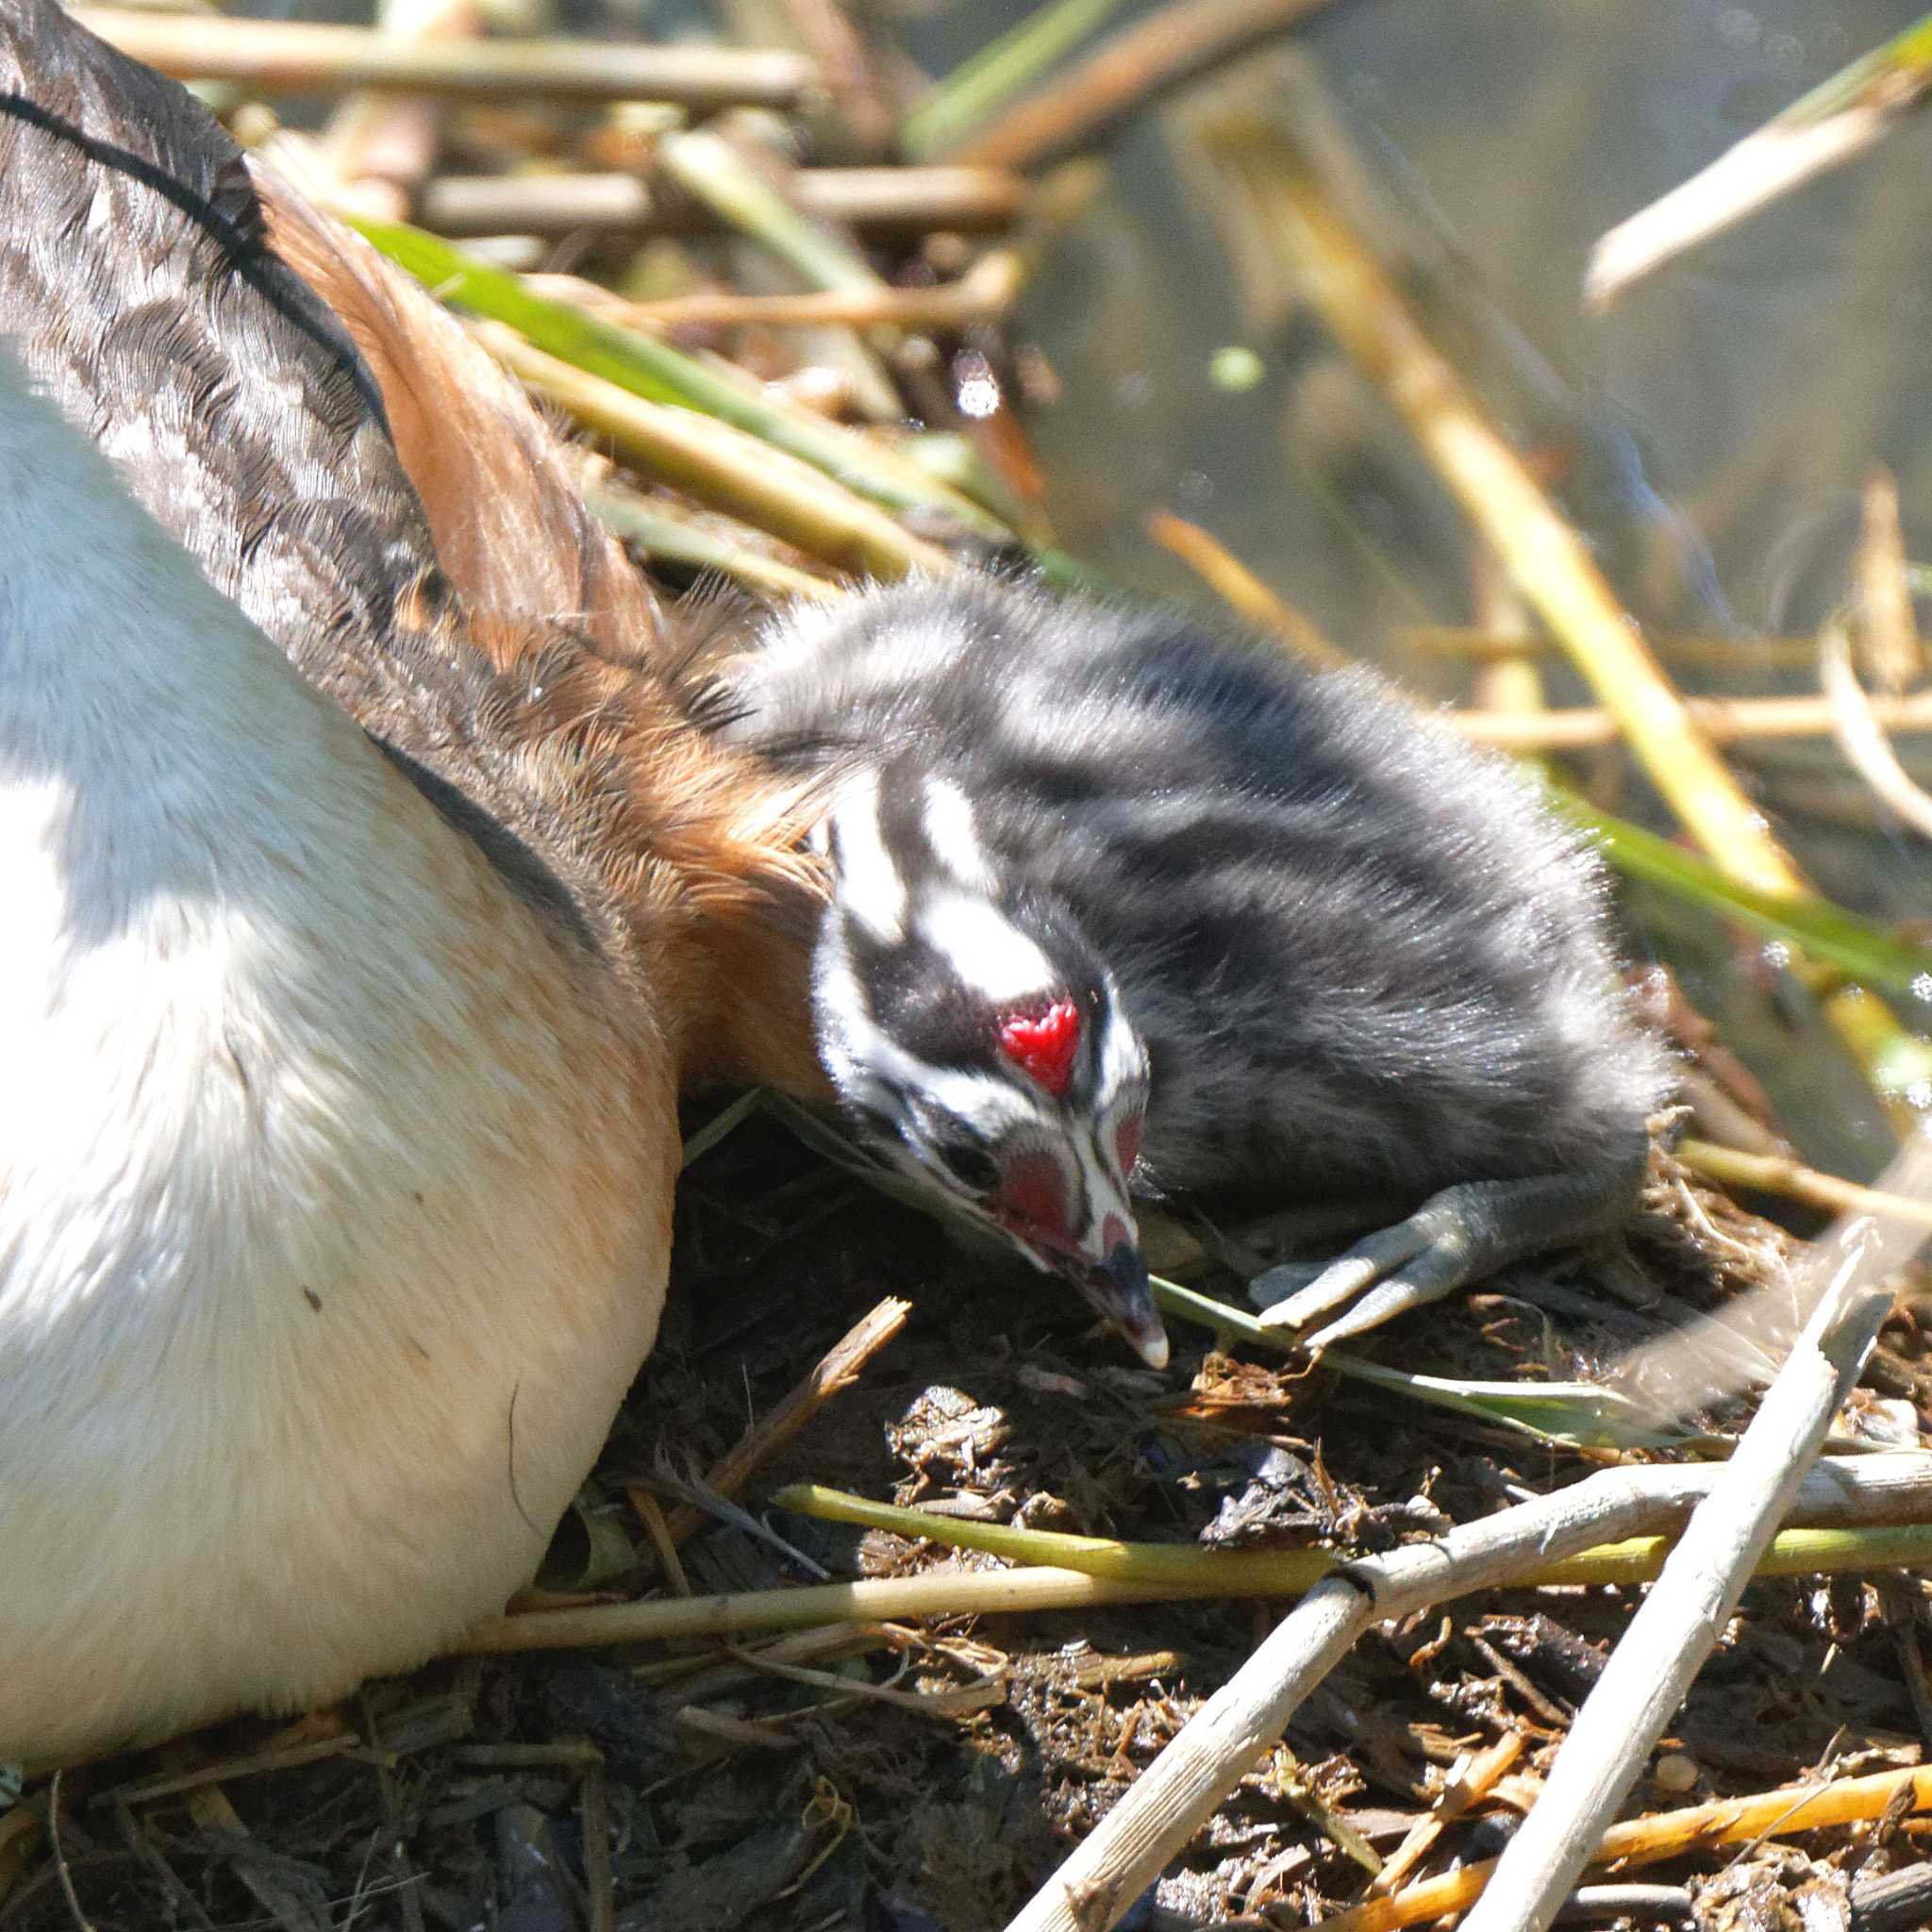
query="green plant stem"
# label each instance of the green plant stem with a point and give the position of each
(981, 85)
(646, 367)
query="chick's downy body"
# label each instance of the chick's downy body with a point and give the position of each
(1362, 957)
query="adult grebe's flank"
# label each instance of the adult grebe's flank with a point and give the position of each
(343, 1037)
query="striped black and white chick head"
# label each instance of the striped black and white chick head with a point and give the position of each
(977, 1042)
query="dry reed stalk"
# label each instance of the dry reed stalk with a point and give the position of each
(1780, 1814)
(1773, 1173)
(984, 293)
(836, 1370)
(1722, 720)
(1161, 51)
(725, 467)
(1242, 591)
(290, 56)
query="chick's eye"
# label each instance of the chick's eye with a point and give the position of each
(967, 1160)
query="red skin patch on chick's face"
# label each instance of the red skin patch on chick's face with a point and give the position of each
(1126, 1144)
(1032, 1202)
(1044, 1044)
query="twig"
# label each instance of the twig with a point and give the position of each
(1643, 1840)
(1162, 52)
(1727, 654)
(379, 147)
(650, 1512)
(1887, 633)
(713, 171)
(214, 1812)
(755, 202)
(183, 1901)
(1546, 560)
(1770, 1174)
(1861, 736)
(256, 1765)
(1723, 721)
(288, 56)
(1242, 591)
(837, 1369)
(1665, 1645)
(405, 1880)
(1220, 1744)
(694, 1492)
(958, 1700)
(1511, 683)
(958, 196)
(600, 1882)
(983, 83)
(20, 1835)
(862, 110)
(464, 205)
(1836, 121)
(82, 1922)
(947, 1593)
(1470, 1781)
(968, 199)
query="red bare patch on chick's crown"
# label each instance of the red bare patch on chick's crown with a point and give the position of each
(1043, 1044)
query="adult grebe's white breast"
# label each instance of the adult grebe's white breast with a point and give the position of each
(334, 1188)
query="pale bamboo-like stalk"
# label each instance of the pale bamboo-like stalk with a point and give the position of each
(725, 467)
(1773, 1174)
(1724, 720)
(1660, 1655)
(917, 198)
(1545, 558)
(1838, 119)
(1223, 1740)
(292, 57)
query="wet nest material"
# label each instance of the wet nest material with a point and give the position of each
(901, 1777)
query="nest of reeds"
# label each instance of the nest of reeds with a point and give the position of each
(982, 1573)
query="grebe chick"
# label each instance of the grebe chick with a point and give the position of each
(343, 1037)
(1121, 904)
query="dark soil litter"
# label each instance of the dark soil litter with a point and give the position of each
(767, 1785)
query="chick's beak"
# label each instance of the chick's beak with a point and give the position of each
(1118, 1287)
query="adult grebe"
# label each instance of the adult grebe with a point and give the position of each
(336, 1164)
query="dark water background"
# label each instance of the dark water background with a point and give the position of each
(1749, 387)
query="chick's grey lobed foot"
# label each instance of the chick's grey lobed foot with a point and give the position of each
(1455, 1238)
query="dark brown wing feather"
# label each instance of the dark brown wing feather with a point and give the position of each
(277, 398)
